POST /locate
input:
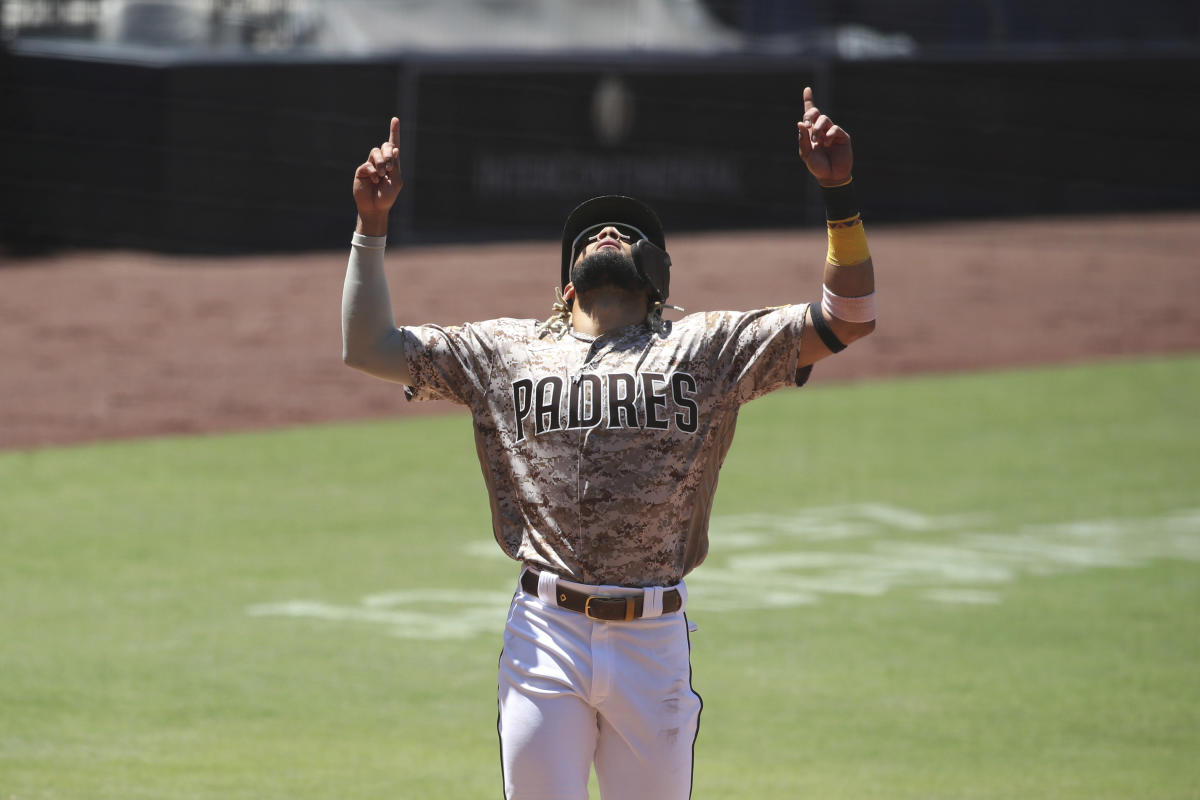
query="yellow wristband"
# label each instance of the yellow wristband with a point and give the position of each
(847, 242)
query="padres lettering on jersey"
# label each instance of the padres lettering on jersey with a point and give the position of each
(616, 400)
(601, 454)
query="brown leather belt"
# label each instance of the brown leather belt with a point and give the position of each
(598, 606)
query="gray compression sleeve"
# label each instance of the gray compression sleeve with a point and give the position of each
(370, 340)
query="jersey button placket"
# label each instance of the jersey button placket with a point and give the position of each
(587, 365)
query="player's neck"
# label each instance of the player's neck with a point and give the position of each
(601, 311)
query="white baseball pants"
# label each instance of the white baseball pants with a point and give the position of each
(575, 691)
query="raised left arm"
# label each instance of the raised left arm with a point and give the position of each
(847, 309)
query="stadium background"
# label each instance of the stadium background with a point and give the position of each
(214, 140)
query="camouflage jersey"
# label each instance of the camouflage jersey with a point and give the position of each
(601, 454)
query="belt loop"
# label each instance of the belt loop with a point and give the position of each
(547, 585)
(652, 602)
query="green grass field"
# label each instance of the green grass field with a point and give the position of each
(977, 586)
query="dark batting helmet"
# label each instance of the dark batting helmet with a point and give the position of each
(652, 261)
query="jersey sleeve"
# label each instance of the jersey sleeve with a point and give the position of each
(759, 350)
(448, 363)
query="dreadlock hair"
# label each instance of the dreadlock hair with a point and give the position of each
(559, 321)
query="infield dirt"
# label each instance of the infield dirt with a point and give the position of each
(100, 345)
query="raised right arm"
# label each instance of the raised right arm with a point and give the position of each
(370, 339)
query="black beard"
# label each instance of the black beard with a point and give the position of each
(606, 267)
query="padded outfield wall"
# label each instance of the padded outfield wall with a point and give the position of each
(223, 155)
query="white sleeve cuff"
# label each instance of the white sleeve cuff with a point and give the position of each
(374, 242)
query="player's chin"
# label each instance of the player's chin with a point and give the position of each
(604, 268)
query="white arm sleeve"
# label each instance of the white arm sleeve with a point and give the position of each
(370, 340)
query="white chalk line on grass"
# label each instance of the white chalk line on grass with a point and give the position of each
(763, 561)
(416, 613)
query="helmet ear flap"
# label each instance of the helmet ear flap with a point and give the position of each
(654, 265)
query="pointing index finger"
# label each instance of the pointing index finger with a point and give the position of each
(808, 98)
(394, 133)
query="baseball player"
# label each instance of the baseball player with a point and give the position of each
(600, 433)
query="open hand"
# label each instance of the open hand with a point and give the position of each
(824, 147)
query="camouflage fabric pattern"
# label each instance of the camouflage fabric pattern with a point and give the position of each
(601, 454)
